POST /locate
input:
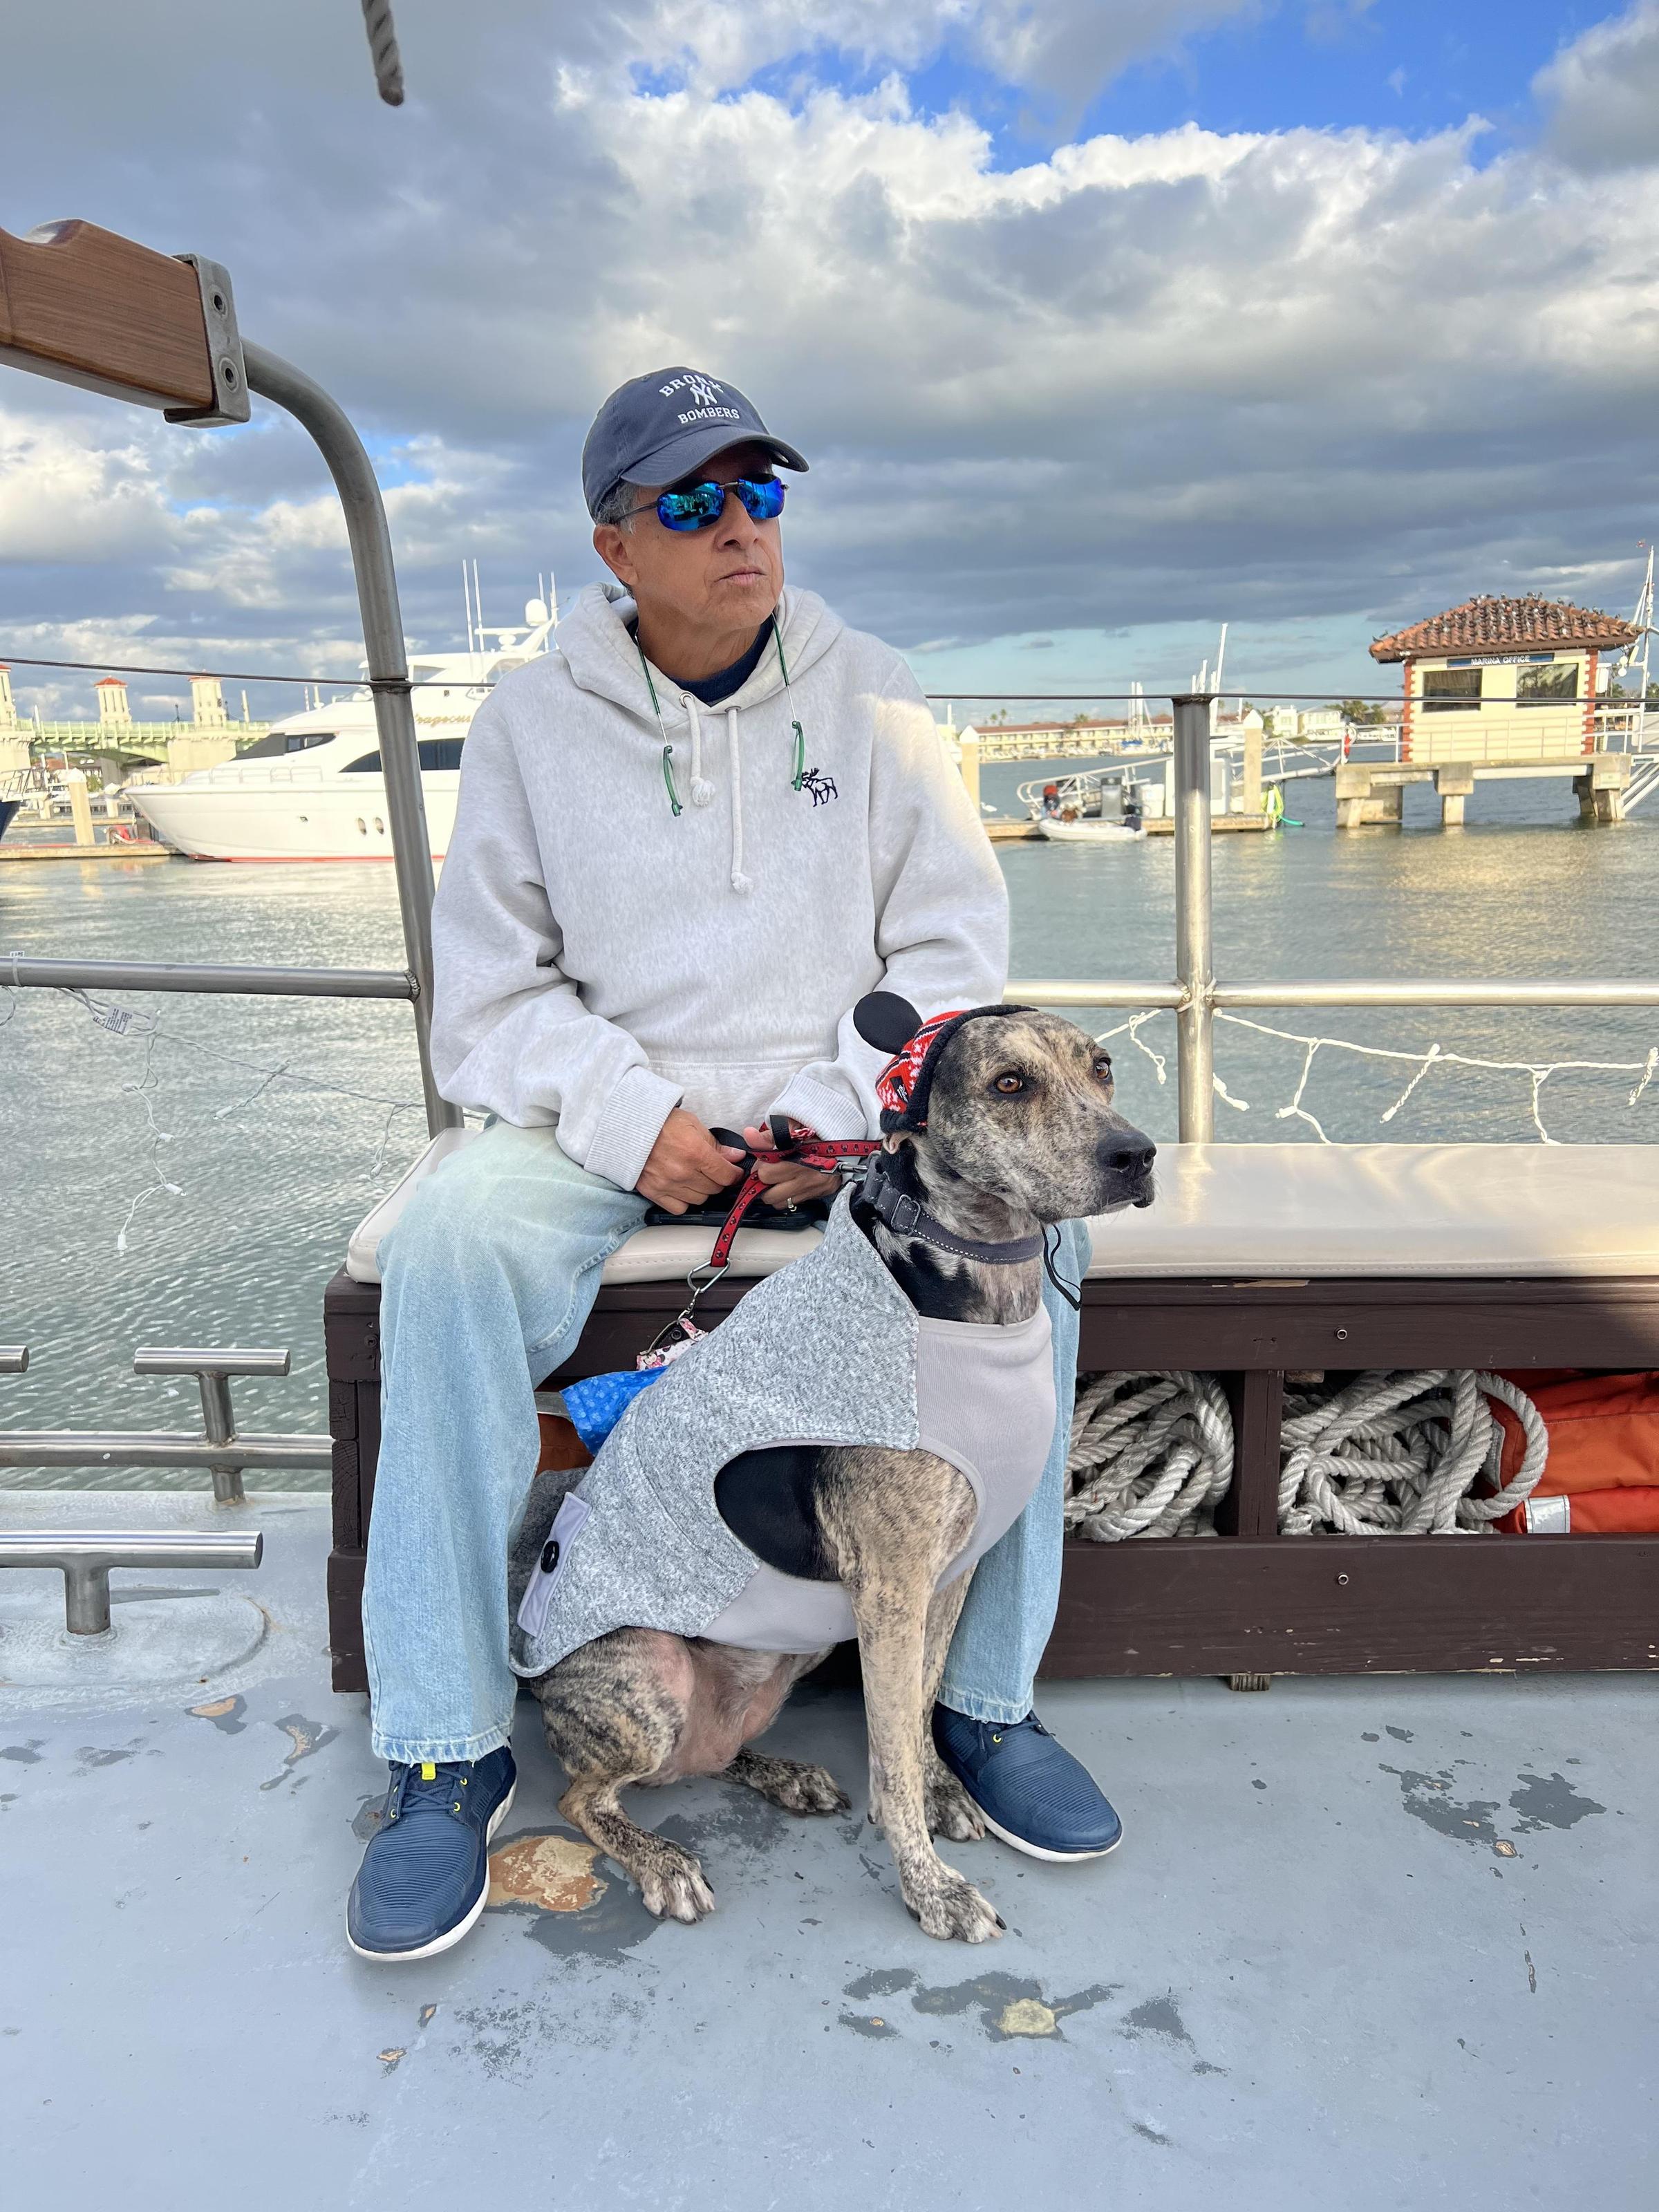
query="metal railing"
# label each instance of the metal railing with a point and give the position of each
(1196, 995)
(225, 1451)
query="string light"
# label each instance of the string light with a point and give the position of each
(138, 1022)
(1432, 1056)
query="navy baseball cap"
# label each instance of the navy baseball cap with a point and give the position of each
(655, 429)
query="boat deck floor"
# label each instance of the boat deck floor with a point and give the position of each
(1368, 1943)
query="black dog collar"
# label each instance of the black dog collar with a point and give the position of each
(908, 1216)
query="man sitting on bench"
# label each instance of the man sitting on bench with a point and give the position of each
(688, 842)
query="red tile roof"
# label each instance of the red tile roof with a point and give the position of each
(1491, 624)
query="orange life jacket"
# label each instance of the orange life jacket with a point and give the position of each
(1603, 1474)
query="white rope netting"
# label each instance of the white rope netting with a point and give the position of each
(1397, 1453)
(1151, 1455)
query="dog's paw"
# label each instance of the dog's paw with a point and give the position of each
(950, 1811)
(953, 1910)
(788, 1783)
(673, 1888)
(809, 1789)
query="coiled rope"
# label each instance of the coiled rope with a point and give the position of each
(1151, 1455)
(1392, 1452)
(383, 46)
(1400, 1452)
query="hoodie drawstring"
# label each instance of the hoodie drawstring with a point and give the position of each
(800, 775)
(702, 791)
(739, 881)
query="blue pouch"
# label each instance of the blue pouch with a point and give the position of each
(596, 1405)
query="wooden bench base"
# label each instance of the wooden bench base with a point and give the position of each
(1247, 1600)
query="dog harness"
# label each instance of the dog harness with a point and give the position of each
(828, 1351)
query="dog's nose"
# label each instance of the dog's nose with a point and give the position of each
(1126, 1153)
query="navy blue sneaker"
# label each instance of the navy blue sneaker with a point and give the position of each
(426, 1872)
(1030, 1788)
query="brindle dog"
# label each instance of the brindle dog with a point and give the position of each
(1021, 1132)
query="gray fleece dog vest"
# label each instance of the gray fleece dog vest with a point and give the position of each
(828, 1351)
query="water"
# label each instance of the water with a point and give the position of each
(271, 1176)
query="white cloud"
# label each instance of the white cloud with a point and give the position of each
(1179, 377)
(1604, 89)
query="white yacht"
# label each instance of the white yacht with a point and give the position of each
(313, 789)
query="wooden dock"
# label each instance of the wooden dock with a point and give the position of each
(140, 848)
(1221, 825)
(1373, 792)
(1012, 833)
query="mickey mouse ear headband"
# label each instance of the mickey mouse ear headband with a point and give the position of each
(893, 1024)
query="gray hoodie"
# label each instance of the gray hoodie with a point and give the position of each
(601, 959)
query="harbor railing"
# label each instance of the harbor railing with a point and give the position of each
(1195, 994)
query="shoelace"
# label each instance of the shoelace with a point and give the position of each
(428, 1783)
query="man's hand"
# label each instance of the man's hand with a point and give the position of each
(686, 1165)
(785, 1184)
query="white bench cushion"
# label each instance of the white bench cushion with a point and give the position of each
(655, 1255)
(1251, 1211)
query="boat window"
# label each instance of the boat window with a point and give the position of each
(440, 752)
(286, 741)
(1446, 691)
(1555, 684)
(365, 764)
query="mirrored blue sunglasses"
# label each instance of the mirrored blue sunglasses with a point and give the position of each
(700, 506)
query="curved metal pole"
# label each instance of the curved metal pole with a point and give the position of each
(278, 380)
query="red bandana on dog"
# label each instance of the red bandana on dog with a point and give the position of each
(898, 1084)
(903, 1086)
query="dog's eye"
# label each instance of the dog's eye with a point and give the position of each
(1008, 1083)
(1104, 1065)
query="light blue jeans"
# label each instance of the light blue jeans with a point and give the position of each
(487, 1279)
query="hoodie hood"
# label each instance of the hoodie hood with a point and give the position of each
(599, 651)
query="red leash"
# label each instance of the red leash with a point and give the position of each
(808, 1150)
(805, 1150)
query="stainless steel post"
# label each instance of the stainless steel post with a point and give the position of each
(219, 1423)
(86, 1600)
(276, 380)
(1194, 954)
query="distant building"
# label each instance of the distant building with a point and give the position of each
(1500, 681)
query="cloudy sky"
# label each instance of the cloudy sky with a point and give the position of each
(1102, 321)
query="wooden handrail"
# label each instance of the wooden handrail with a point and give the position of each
(85, 306)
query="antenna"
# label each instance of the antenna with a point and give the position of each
(466, 601)
(1637, 654)
(477, 604)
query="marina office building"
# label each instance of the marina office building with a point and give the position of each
(1500, 687)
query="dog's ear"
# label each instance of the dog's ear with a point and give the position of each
(882, 1019)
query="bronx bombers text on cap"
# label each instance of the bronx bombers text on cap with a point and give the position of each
(656, 429)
